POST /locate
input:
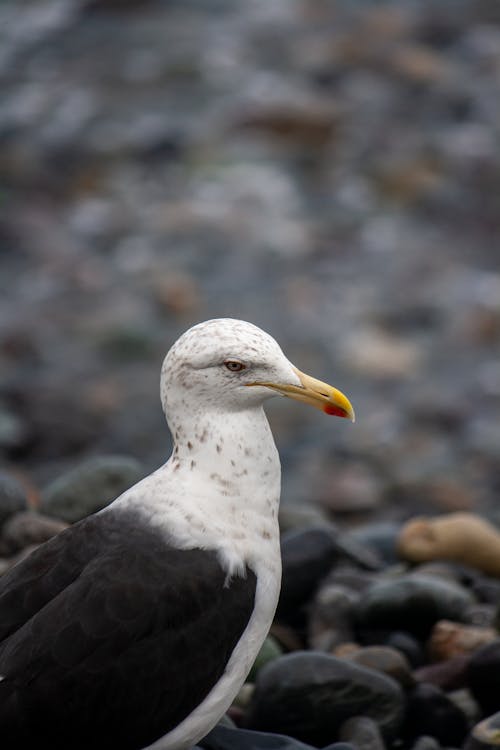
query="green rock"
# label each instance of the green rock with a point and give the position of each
(270, 650)
(90, 487)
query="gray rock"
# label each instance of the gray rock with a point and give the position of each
(308, 695)
(12, 497)
(25, 529)
(380, 537)
(413, 603)
(426, 743)
(226, 738)
(90, 486)
(270, 650)
(330, 619)
(431, 712)
(362, 732)
(307, 557)
(485, 735)
(384, 659)
(483, 677)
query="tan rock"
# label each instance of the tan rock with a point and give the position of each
(449, 639)
(461, 537)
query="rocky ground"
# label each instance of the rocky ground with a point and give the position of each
(331, 172)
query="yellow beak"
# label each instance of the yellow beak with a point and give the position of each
(318, 394)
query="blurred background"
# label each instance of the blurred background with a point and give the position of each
(327, 170)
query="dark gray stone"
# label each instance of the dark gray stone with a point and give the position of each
(384, 659)
(12, 497)
(25, 529)
(308, 695)
(408, 645)
(307, 556)
(330, 620)
(426, 743)
(485, 735)
(413, 603)
(225, 738)
(431, 712)
(90, 486)
(362, 732)
(483, 677)
(381, 538)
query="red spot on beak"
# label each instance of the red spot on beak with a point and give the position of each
(335, 411)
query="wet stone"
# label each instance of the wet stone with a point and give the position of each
(447, 675)
(381, 537)
(408, 645)
(413, 603)
(90, 486)
(330, 619)
(309, 695)
(464, 537)
(426, 743)
(270, 650)
(485, 734)
(362, 732)
(229, 738)
(384, 659)
(24, 529)
(12, 497)
(307, 557)
(483, 677)
(450, 639)
(431, 712)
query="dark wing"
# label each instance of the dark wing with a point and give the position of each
(126, 649)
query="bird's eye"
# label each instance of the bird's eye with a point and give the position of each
(234, 366)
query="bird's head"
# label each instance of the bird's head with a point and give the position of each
(231, 365)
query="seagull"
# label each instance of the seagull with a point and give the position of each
(137, 626)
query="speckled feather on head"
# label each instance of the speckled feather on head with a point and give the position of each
(143, 620)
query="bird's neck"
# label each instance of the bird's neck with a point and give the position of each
(231, 459)
(232, 445)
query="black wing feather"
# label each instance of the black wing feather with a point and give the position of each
(111, 637)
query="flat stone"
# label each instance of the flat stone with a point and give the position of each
(483, 677)
(308, 695)
(90, 486)
(362, 732)
(12, 497)
(463, 537)
(307, 557)
(431, 712)
(413, 603)
(450, 639)
(28, 528)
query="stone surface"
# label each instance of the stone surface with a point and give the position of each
(411, 602)
(381, 537)
(431, 712)
(270, 650)
(447, 675)
(330, 621)
(362, 732)
(463, 537)
(307, 556)
(483, 677)
(384, 659)
(28, 528)
(408, 645)
(12, 497)
(449, 639)
(309, 695)
(485, 734)
(89, 487)
(226, 738)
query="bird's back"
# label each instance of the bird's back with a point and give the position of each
(111, 636)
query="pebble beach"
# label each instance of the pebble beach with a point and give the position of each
(331, 173)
